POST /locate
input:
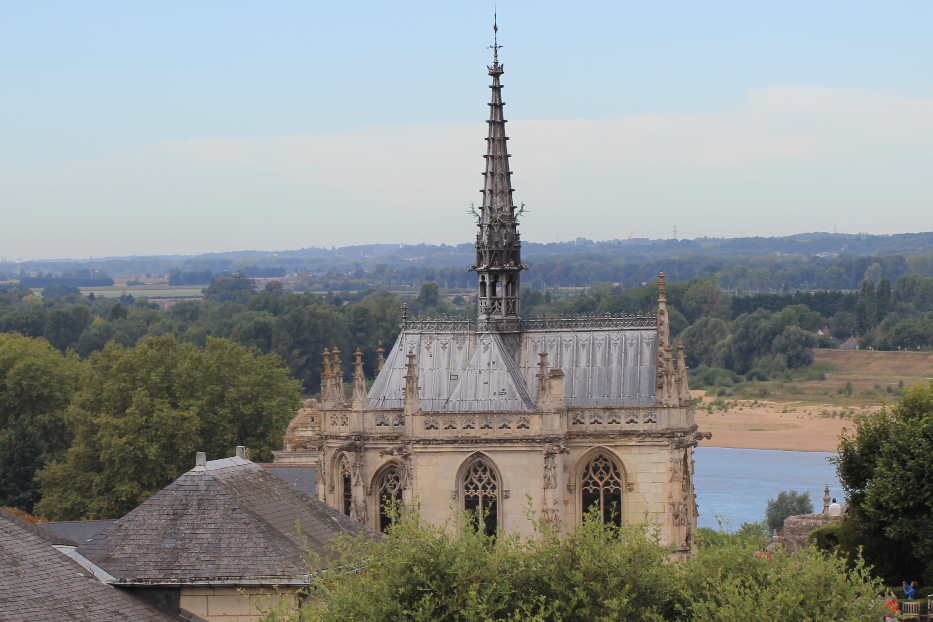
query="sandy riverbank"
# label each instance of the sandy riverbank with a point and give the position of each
(765, 426)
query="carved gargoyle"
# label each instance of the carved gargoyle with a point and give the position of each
(551, 449)
(351, 446)
(396, 450)
(692, 440)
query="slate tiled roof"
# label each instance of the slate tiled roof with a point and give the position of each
(302, 476)
(78, 531)
(37, 582)
(49, 537)
(228, 521)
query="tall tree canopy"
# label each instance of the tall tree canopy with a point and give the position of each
(884, 465)
(141, 415)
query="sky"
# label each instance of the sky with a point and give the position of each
(141, 128)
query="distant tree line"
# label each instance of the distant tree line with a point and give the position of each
(761, 335)
(183, 277)
(204, 277)
(75, 281)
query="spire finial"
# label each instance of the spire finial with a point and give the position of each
(495, 40)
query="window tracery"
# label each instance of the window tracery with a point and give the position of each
(601, 488)
(389, 492)
(481, 496)
(346, 476)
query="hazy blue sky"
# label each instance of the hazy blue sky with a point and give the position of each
(188, 127)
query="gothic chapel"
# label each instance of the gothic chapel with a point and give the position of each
(580, 413)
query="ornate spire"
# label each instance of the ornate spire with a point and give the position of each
(665, 391)
(359, 379)
(380, 360)
(498, 246)
(412, 396)
(543, 382)
(337, 382)
(326, 379)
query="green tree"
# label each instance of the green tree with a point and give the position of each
(787, 504)
(142, 414)
(37, 383)
(752, 338)
(873, 272)
(705, 298)
(237, 288)
(866, 310)
(835, 277)
(700, 341)
(429, 296)
(795, 345)
(64, 327)
(843, 325)
(57, 290)
(883, 465)
(22, 454)
(883, 298)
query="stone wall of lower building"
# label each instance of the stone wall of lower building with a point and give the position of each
(234, 604)
(796, 529)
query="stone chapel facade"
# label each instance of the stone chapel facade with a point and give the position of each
(576, 412)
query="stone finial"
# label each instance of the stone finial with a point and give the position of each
(337, 381)
(380, 360)
(412, 397)
(241, 452)
(326, 377)
(683, 381)
(826, 499)
(200, 459)
(359, 379)
(543, 383)
(666, 391)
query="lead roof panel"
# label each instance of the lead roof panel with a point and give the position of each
(602, 367)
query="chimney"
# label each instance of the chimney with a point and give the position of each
(241, 452)
(200, 460)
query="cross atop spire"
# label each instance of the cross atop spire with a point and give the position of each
(495, 47)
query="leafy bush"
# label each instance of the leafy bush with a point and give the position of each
(594, 572)
(705, 377)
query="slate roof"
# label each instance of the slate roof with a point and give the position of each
(78, 531)
(37, 582)
(49, 537)
(302, 476)
(226, 522)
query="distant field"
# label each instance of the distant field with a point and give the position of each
(148, 291)
(810, 415)
(876, 377)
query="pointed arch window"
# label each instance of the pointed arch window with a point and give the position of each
(389, 492)
(346, 480)
(601, 488)
(482, 287)
(481, 496)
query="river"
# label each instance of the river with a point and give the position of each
(734, 485)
